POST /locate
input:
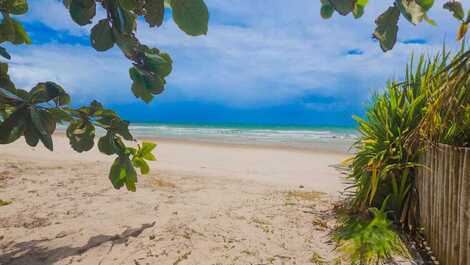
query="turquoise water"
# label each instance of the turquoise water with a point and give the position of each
(299, 136)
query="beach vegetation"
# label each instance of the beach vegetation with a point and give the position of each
(431, 105)
(369, 239)
(386, 31)
(34, 114)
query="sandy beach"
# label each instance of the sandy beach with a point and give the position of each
(203, 203)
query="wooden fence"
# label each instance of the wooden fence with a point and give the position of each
(444, 202)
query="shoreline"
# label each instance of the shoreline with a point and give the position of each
(317, 147)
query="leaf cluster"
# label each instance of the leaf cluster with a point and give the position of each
(415, 11)
(34, 114)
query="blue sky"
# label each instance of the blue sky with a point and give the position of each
(274, 62)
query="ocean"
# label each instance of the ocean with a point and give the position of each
(307, 137)
(301, 137)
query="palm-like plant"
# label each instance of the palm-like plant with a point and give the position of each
(383, 165)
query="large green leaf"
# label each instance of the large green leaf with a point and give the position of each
(387, 28)
(191, 16)
(45, 124)
(82, 11)
(154, 12)
(102, 36)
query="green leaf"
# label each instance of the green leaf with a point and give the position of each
(123, 173)
(131, 175)
(140, 92)
(159, 63)
(359, 8)
(13, 126)
(102, 36)
(456, 8)
(128, 4)
(81, 135)
(343, 7)
(358, 11)
(121, 127)
(11, 30)
(145, 80)
(140, 163)
(154, 12)
(45, 125)
(115, 174)
(387, 28)
(21, 35)
(192, 17)
(327, 11)
(31, 135)
(82, 11)
(107, 144)
(4, 53)
(44, 92)
(148, 147)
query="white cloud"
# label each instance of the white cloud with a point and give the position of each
(80, 70)
(256, 53)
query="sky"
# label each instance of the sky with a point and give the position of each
(262, 62)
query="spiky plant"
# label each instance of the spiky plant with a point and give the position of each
(382, 166)
(447, 118)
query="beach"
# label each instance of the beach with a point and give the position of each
(202, 203)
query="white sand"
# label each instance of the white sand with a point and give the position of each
(201, 204)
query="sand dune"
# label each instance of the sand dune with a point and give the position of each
(201, 204)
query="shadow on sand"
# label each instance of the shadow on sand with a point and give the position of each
(32, 253)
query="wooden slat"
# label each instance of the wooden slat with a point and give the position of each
(443, 185)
